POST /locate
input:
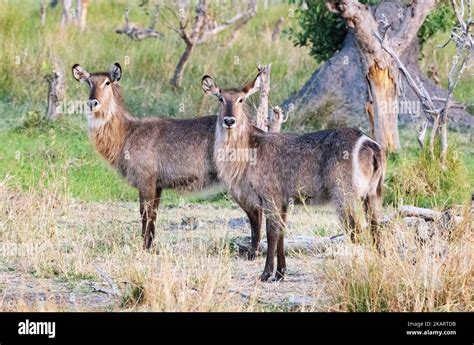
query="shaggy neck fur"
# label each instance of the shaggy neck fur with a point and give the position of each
(108, 126)
(229, 141)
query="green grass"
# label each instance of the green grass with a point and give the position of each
(414, 178)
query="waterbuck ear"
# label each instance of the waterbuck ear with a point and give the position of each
(80, 73)
(253, 86)
(116, 72)
(209, 86)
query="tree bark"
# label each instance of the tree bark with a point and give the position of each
(262, 111)
(55, 93)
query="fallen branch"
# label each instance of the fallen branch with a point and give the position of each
(137, 33)
(113, 291)
(297, 244)
(429, 215)
(240, 18)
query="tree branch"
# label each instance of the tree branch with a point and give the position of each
(417, 13)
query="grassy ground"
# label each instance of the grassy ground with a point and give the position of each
(65, 250)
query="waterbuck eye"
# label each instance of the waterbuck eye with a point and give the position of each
(107, 83)
(241, 100)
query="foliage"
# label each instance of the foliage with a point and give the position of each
(441, 20)
(323, 31)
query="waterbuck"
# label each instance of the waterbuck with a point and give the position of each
(342, 166)
(151, 153)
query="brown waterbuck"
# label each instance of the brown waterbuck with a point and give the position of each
(342, 166)
(151, 153)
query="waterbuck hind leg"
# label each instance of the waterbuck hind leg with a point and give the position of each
(372, 207)
(347, 212)
(255, 218)
(281, 260)
(148, 214)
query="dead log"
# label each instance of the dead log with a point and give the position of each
(136, 33)
(297, 244)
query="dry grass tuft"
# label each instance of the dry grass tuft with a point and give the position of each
(411, 275)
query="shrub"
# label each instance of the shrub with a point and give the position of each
(419, 180)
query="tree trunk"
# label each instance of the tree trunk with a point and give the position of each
(66, 12)
(82, 13)
(350, 89)
(55, 93)
(178, 72)
(382, 114)
(262, 111)
(43, 12)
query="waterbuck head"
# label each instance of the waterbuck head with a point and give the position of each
(231, 114)
(104, 89)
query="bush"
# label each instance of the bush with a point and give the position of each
(419, 180)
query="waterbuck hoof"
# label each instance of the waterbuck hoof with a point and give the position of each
(252, 255)
(279, 275)
(264, 277)
(147, 244)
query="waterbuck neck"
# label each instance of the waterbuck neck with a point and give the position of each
(108, 132)
(228, 145)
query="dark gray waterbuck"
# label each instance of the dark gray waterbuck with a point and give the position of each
(342, 166)
(151, 153)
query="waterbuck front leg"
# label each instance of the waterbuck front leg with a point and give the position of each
(149, 200)
(255, 219)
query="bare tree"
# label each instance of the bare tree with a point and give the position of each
(462, 38)
(69, 14)
(202, 28)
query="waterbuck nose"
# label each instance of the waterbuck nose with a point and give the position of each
(92, 104)
(229, 121)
